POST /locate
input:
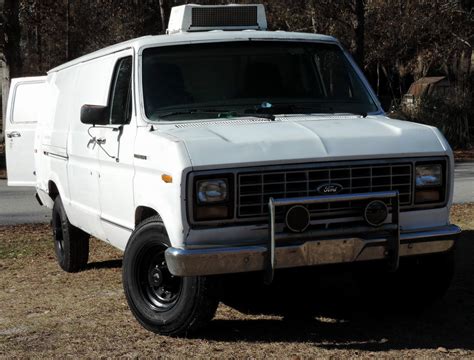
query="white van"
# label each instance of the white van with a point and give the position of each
(223, 148)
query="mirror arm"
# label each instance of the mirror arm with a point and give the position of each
(96, 142)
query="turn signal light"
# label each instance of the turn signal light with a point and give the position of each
(212, 212)
(427, 196)
(167, 178)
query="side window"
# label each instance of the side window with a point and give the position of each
(121, 92)
(28, 100)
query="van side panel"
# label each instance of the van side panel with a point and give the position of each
(41, 159)
(50, 167)
(52, 136)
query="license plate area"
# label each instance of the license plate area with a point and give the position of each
(330, 248)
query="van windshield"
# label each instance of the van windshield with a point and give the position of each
(203, 81)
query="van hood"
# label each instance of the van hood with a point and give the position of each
(227, 143)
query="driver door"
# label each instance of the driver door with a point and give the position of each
(116, 157)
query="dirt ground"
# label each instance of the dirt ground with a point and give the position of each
(45, 312)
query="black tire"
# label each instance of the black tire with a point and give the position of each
(420, 282)
(161, 302)
(71, 244)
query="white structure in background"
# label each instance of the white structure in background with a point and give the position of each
(209, 152)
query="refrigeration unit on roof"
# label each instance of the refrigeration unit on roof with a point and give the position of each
(192, 18)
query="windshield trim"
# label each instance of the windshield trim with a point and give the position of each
(347, 55)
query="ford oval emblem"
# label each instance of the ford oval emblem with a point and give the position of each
(329, 189)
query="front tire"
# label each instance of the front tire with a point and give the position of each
(71, 244)
(161, 302)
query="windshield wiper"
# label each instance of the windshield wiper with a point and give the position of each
(282, 108)
(191, 111)
(361, 114)
(306, 108)
(221, 114)
(233, 114)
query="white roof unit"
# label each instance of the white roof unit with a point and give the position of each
(189, 18)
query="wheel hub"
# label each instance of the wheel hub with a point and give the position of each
(159, 287)
(156, 277)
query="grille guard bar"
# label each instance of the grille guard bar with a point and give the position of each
(393, 245)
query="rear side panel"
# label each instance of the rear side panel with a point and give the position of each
(24, 108)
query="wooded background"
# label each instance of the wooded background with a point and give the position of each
(394, 41)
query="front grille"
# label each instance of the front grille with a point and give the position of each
(238, 16)
(256, 188)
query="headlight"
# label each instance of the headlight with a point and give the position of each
(213, 198)
(212, 191)
(429, 181)
(429, 175)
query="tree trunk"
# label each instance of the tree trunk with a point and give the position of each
(378, 78)
(164, 20)
(68, 30)
(389, 80)
(10, 48)
(5, 90)
(360, 32)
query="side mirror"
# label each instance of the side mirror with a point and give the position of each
(94, 115)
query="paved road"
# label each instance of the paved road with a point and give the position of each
(18, 205)
(464, 182)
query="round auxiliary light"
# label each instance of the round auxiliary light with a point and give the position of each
(376, 212)
(297, 218)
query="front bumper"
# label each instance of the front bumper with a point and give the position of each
(215, 261)
(322, 247)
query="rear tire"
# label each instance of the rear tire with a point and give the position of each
(71, 244)
(161, 302)
(419, 282)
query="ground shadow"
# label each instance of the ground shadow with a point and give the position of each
(344, 322)
(107, 264)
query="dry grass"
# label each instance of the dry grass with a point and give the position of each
(463, 215)
(45, 312)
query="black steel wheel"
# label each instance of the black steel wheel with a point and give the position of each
(159, 288)
(71, 244)
(58, 236)
(161, 302)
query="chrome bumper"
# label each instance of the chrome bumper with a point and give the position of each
(214, 261)
(320, 247)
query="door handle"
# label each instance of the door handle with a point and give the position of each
(101, 141)
(13, 134)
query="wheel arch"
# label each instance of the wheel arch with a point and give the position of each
(53, 190)
(172, 227)
(145, 212)
(55, 186)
